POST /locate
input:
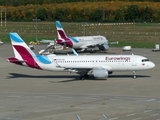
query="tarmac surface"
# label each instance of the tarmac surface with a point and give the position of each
(28, 94)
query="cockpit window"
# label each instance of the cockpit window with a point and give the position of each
(145, 60)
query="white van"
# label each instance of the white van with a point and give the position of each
(1, 43)
(126, 48)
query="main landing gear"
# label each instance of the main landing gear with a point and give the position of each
(83, 77)
(93, 50)
(134, 75)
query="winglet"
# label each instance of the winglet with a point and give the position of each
(74, 52)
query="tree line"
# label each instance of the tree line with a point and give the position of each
(16, 3)
(86, 11)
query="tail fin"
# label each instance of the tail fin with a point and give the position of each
(62, 37)
(20, 48)
(23, 54)
(60, 31)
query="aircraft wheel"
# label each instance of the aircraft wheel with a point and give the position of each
(83, 77)
(93, 51)
(134, 77)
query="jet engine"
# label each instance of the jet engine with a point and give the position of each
(104, 47)
(100, 73)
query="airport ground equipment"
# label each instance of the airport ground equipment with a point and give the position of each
(50, 49)
(156, 48)
(126, 48)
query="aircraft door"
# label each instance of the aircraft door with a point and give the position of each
(134, 61)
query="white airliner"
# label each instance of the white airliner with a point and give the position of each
(96, 65)
(80, 43)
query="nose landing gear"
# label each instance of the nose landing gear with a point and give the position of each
(134, 75)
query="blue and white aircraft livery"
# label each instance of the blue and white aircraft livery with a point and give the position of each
(80, 43)
(97, 65)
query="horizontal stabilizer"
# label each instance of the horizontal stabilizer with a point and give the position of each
(15, 60)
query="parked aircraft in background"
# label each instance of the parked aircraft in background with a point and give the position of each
(80, 43)
(96, 65)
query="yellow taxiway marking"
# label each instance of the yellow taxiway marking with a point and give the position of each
(155, 70)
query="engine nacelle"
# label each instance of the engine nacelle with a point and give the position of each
(104, 47)
(100, 73)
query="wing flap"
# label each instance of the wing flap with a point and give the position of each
(75, 69)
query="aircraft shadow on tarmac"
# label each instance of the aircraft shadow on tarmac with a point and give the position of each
(17, 75)
(128, 76)
(70, 78)
(91, 78)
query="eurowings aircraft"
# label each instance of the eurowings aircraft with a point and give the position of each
(80, 43)
(97, 65)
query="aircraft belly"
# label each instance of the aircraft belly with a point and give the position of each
(76, 45)
(121, 66)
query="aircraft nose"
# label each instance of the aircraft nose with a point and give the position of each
(153, 65)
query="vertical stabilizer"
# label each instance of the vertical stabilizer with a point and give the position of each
(19, 46)
(60, 31)
(23, 54)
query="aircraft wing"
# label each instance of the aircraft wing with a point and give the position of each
(87, 68)
(81, 68)
(47, 41)
(92, 45)
(89, 45)
(84, 69)
(76, 68)
(113, 42)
